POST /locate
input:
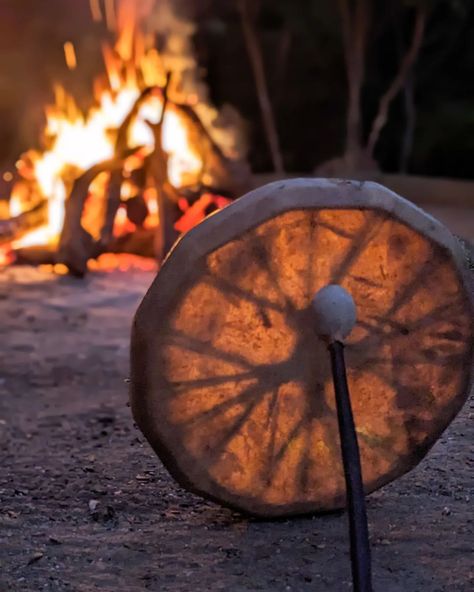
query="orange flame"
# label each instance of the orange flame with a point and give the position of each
(76, 141)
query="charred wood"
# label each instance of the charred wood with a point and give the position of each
(166, 195)
(16, 227)
(113, 204)
(140, 242)
(233, 176)
(76, 245)
(137, 210)
(44, 255)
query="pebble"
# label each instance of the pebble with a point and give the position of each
(35, 557)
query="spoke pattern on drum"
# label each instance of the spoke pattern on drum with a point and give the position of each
(250, 393)
(383, 326)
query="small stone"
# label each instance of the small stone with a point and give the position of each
(35, 557)
(446, 511)
(93, 503)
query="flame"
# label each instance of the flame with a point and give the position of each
(76, 141)
(110, 15)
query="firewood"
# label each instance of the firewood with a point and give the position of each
(43, 255)
(166, 194)
(140, 242)
(121, 142)
(231, 176)
(76, 245)
(113, 204)
(116, 177)
(137, 210)
(16, 227)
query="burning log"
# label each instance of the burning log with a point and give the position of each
(116, 177)
(177, 164)
(178, 209)
(44, 255)
(113, 204)
(166, 195)
(76, 245)
(137, 210)
(140, 242)
(225, 175)
(16, 227)
(121, 143)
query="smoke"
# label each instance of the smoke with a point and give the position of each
(172, 23)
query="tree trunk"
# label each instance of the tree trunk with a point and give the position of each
(256, 60)
(355, 24)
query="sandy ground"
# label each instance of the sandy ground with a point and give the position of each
(85, 505)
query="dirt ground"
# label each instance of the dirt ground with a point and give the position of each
(85, 505)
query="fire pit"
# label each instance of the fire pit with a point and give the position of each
(148, 160)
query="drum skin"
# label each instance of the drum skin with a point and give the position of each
(231, 385)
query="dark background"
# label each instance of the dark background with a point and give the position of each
(301, 42)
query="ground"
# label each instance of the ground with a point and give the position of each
(85, 505)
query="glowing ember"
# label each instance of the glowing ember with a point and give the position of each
(70, 55)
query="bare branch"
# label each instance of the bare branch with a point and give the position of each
(76, 245)
(256, 59)
(399, 80)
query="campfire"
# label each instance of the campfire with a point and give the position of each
(148, 160)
